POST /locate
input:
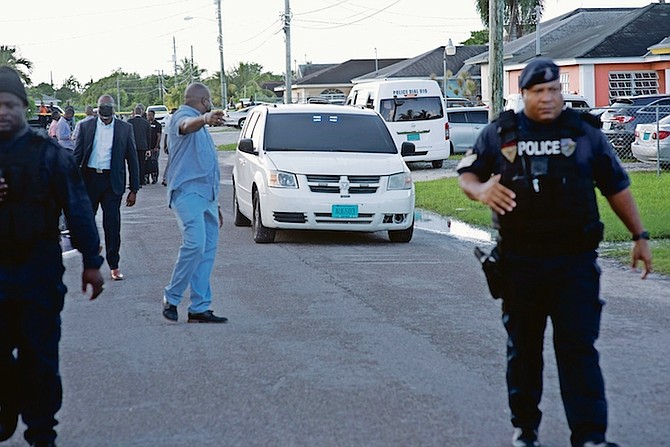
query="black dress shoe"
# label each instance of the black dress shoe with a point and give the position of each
(8, 420)
(170, 311)
(205, 317)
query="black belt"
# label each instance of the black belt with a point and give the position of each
(98, 171)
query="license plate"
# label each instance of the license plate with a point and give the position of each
(344, 211)
(645, 136)
(413, 137)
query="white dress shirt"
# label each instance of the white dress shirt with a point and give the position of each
(101, 154)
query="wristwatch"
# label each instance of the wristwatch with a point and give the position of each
(643, 235)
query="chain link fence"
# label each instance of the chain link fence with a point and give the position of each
(640, 135)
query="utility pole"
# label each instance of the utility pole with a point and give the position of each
(538, 17)
(287, 37)
(495, 58)
(174, 59)
(224, 88)
(191, 70)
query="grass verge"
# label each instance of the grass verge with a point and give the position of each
(651, 193)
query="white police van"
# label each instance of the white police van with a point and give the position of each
(413, 112)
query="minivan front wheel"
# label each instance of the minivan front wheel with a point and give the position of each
(402, 235)
(262, 234)
(437, 164)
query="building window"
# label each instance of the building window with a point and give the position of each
(565, 83)
(629, 83)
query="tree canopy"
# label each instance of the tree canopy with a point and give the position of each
(519, 16)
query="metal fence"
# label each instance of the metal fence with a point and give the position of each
(640, 135)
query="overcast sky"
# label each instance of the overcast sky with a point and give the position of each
(90, 39)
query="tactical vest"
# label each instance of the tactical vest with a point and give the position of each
(28, 214)
(556, 208)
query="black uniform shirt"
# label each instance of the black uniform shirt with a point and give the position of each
(595, 157)
(68, 192)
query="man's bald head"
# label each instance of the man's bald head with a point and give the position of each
(198, 96)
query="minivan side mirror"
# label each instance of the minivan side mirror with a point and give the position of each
(246, 145)
(407, 149)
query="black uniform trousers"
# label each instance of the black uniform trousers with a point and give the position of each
(31, 299)
(566, 289)
(99, 188)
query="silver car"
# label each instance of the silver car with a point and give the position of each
(236, 118)
(465, 124)
(652, 142)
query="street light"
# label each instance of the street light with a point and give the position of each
(224, 90)
(449, 50)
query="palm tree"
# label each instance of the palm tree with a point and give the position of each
(9, 56)
(519, 16)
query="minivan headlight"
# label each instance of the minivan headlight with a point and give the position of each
(280, 179)
(402, 180)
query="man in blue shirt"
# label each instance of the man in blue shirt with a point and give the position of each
(193, 191)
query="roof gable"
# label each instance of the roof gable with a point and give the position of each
(430, 62)
(344, 72)
(592, 33)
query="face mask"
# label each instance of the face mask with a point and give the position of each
(105, 111)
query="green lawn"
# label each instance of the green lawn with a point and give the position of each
(652, 195)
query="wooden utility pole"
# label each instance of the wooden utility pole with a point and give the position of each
(495, 57)
(287, 36)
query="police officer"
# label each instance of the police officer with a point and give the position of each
(38, 179)
(536, 170)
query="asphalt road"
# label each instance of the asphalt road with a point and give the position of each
(333, 340)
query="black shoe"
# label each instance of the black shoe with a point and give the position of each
(43, 444)
(525, 438)
(170, 311)
(205, 317)
(8, 420)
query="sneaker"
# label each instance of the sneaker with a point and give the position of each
(525, 438)
(170, 310)
(205, 317)
(600, 444)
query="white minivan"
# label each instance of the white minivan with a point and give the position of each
(321, 167)
(413, 112)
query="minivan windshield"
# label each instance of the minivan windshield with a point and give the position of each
(411, 109)
(327, 132)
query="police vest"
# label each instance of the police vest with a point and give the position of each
(556, 204)
(28, 214)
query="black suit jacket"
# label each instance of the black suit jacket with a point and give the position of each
(123, 152)
(142, 130)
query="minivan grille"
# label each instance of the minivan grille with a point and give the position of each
(330, 184)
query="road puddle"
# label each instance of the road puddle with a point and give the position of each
(435, 223)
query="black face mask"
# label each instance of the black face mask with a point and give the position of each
(105, 111)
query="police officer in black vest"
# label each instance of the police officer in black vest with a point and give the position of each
(38, 179)
(537, 170)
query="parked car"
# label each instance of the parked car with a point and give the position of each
(34, 118)
(652, 142)
(236, 118)
(321, 167)
(621, 117)
(457, 102)
(160, 112)
(514, 101)
(465, 124)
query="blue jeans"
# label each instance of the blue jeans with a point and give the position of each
(198, 220)
(566, 289)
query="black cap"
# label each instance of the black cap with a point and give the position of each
(10, 82)
(538, 71)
